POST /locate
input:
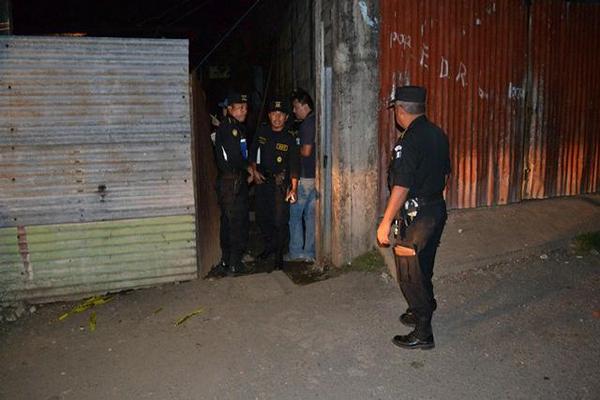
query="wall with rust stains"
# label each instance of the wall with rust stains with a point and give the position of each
(514, 86)
(563, 146)
(470, 56)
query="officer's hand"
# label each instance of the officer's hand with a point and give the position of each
(383, 235)
(258, 177)
(251, 174)
(291, 196)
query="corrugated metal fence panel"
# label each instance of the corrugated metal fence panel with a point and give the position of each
(93, 129)
(564, 144)
(50, 262)
(471, 56)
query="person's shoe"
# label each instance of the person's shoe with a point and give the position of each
(265, 254)
(218, 271)
(309, 260)
(239, 269)
(289, 258)
(412, 341)
(247, 258)
(409, 319)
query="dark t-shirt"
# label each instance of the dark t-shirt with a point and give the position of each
(421, 159)
(274, 152)
(307, 136)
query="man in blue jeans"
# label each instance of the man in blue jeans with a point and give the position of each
(302, 213)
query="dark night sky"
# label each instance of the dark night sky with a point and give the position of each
(204, 22)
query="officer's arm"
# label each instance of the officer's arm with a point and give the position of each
(394, 204)
(231, 145)
(306, 150)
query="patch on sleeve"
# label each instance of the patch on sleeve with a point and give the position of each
(397, 152)
(262, 140)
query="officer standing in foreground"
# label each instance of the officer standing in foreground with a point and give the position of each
(275, 159)
(417, 177)
(234, 174)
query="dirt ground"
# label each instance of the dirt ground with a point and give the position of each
(524, 328)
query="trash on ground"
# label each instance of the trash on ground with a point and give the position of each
(87, 304)
(188, 316)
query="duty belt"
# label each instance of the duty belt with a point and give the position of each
(428, 199)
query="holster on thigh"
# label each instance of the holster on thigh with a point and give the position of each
(408, 269)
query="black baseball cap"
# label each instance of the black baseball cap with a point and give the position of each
(236, 98)
(278, 104)
(410, 94)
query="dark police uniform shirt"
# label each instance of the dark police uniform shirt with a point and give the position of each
(231, 147)
(421, 159)
(274, 152)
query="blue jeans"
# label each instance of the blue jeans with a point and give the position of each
(302, 239)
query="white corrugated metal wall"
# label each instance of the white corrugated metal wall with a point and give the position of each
(96, 189)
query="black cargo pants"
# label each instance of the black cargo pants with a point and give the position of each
(272, 216)
(232, 195)
(416, 272)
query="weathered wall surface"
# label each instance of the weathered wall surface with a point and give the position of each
(96, 190)
(350, 42)
(563, 134)
(513, 83)
(334, 56)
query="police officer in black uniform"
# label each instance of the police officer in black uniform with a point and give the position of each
(275, 159)
(417, 177)
(234, 174)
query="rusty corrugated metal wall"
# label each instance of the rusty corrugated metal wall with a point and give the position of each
(96, 190)
(473, 57)
(470, 56)
(563, 151)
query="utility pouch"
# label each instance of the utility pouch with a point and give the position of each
(279, 178)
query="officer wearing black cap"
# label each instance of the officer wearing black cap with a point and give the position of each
(417, 177)
(275, 158)
(234, 173)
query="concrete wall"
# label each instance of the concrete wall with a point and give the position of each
(350, 44)
(339, 39)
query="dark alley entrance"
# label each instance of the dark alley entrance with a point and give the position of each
(262, 48)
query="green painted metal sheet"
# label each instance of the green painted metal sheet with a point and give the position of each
(53, 262)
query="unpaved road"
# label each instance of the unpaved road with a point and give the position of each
(521, 329)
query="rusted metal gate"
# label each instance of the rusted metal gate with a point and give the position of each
(96, 190)
(563, 150)
(482, 63)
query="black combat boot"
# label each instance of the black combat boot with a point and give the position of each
(420, 338)
(409, 318)
(218, 271)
